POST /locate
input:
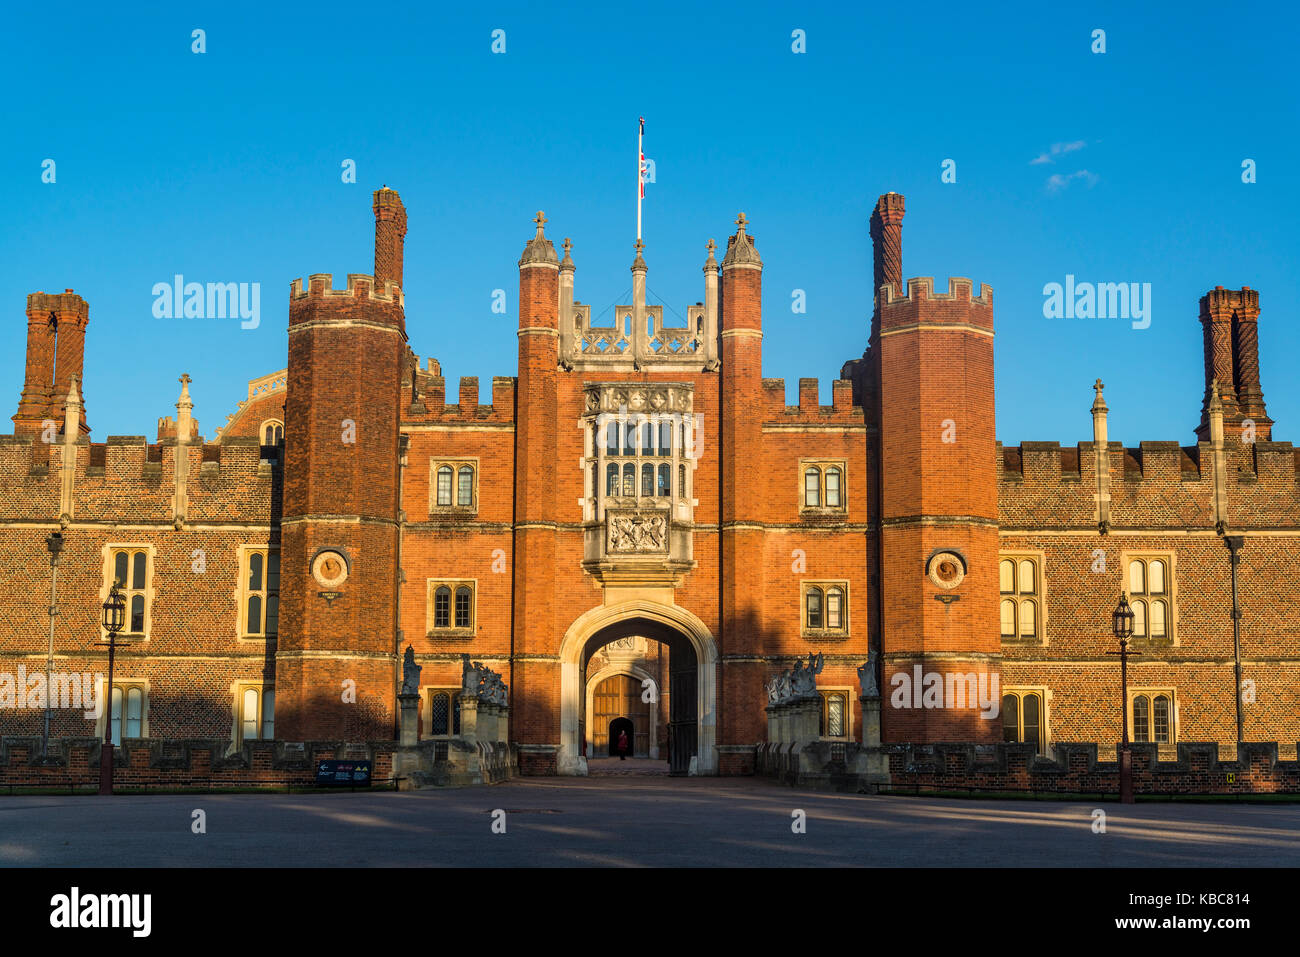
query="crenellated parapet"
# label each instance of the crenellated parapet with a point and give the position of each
(958, 304)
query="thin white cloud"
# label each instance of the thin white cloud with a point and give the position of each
(1057, 182)
(1057, 149)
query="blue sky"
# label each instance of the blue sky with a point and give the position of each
(225, 166)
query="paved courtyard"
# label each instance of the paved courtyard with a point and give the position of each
(634, 821)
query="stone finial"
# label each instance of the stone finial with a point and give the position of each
(185, 400)
(567, 261)
(1099, 403)
(740, 247)
(539, 248)
(710, 263)
(638, 263)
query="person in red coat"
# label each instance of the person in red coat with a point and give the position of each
(622, 745)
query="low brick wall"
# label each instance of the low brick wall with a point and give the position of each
(197, 763)
(1074, 768)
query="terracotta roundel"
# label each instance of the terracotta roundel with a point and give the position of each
(330, 569)
(946, 569)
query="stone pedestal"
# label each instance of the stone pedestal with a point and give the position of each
(871, 763)
(409, 710)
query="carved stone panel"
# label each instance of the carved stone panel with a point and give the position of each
(636, 531)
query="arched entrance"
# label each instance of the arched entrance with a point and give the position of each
(620, 726)
(691, 681)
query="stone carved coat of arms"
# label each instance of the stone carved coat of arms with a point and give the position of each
(637, 532)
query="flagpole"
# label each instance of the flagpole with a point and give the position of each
(640, 182)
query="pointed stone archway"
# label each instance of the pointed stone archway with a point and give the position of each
(668, 623)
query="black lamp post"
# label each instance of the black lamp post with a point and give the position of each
(114, 619)
(1122, 625)
(1235, 543)
(53, 542)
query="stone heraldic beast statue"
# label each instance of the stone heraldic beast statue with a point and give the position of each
(410, 673)
(797, 683)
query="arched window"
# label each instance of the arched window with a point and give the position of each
(254, 614)
(1022, 718)
(1160, 719)
(1030, 731)
(814, 603)
(439, 720)
(647, 480)
(272, 432)
(1156, 577)
(464, 608)
(1141, 718)
(1028, 619)
(465, 486)
(812, 488)
(249, 709)
(444, 485)
(832, 488)
(1010, 718)
(131, 576)
(1137, 582)
(1008, 618)
(629, 439)
(647, 438)
(1026, 582)
(833, 712)
(681, 480)
(1007, 577)
(665, 437)
(611, 438)
(665, 481)
(834, 608)
(128, 723)
(442, 607)
(1139, 619)
(629, 480)
(611, 479)
(1158, 610)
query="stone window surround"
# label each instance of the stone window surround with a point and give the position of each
(151, 554)
(1152, 692)
(452, 631)
(679, 409)
(101, 724)
(427, 693)
(237, 690)
(1039, 596)
(455, 465)
(822, 465)
(1045, 710)
(849, 695)
(823, 632)
(242, 553)
(1170, 558)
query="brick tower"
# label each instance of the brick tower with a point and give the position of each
(336, 662)
(938, 501)
(56, 346)
(536, 691)
(744, 486)
(1230, 320)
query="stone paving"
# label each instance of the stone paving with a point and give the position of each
(634, 821)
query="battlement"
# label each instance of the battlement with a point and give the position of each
(360, 286)
(841, 407)
(66, 304)
(921, 289)
(431, 402)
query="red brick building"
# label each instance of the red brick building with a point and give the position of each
(639, 529)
